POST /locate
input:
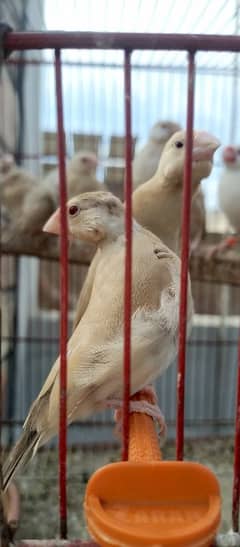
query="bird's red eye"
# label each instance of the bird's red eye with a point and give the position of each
(73, 210)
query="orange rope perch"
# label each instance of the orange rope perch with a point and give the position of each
(146, 501)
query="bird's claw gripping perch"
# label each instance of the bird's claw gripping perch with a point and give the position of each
(148, 406)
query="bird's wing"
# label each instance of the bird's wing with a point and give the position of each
(95, 366)
(95, 349)
(86, 290)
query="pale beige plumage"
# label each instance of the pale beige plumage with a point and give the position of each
(157, 203)
(229, 198)
(43, 200)
(146, 160)
(229, 186)
(95, 349)
(15, 183)
(198, 220)
(81, 175)
(145, 165)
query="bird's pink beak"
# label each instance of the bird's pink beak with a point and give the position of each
(204, 146)
(52, 226)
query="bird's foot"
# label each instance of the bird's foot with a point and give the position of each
(227, 243)
(144, 402)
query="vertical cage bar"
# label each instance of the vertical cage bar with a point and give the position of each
(1, 407)
(128, 255)
(236, 469)
(185, 231)
(64, 302)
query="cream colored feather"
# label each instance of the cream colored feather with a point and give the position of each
(95, 349)
(157, 203)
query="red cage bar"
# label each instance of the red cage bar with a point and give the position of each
(236, 471)
(64, 302)
(122, 40)
(128, 256)
(186, 213)
(127, 42)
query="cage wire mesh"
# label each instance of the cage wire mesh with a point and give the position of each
(94, 121)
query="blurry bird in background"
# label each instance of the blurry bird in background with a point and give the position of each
(229, 197)
(95, 349)
(145, 165)
(34, 202)
(30, 201)
(43, 200)
(15, 183)
(146, 160)
(157, 203)
(81, 174)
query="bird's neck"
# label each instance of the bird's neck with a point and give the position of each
(116, 231)
(162, 210)
(112, 230)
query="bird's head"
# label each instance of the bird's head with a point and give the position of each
(84, 162)
(231, 156)
(171, 164)
(162, 131)
(92, 217)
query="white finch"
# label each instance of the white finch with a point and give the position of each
(229, 194)
(157, 203)
(95, 349)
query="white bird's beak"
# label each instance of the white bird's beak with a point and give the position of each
(204, 146)
(52, 226)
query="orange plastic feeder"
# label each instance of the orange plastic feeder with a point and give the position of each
(149, 502)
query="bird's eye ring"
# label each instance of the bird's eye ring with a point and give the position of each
(179, 144)
(73, 210)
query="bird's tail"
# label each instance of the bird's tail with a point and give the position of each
(21, 453)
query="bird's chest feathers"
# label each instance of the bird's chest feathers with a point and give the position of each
(163, 214)
(229, 187)
(146, 285)
(229, 197)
